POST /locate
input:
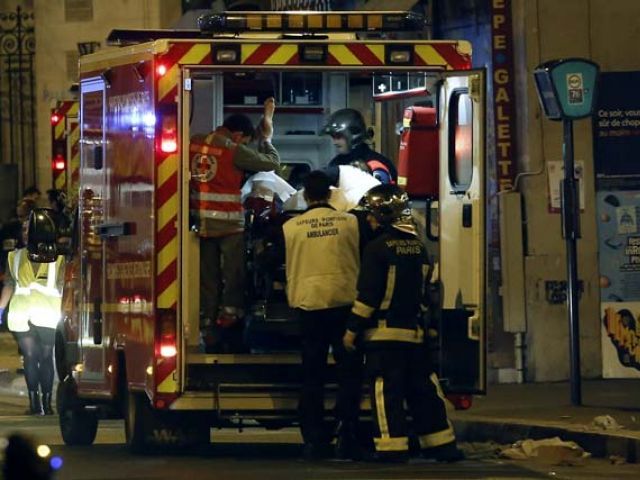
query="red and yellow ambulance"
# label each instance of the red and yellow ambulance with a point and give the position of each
(129, 344)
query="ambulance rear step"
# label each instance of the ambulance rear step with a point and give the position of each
(247, 372)
(269, 406)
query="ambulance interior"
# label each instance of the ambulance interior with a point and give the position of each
(304, 101)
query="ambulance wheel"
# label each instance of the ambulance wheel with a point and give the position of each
(77, 425)
(138, 422)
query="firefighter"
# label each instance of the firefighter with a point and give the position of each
(349, 134)
(219, 162)
(385, 319)
(33, 292)
(322, 259)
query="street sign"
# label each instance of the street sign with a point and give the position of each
(566, 88)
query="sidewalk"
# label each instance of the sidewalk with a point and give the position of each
(509, 413)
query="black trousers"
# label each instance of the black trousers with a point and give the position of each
(36, 346)
(321, 329)
(398, 374)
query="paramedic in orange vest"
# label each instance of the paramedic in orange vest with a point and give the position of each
(218, 165)
(349, 134)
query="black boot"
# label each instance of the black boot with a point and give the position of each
(35, 407)
(46, 403)
(347, 444)
(448, 453)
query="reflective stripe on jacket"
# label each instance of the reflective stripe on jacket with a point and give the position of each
(215, 189)
(391, 289)
(36, 297)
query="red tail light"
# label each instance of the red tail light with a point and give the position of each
(59, 163)
(55, 118)
(168, 351)
(460, 401)
(169, 134)
(161, 69)
(166, 335)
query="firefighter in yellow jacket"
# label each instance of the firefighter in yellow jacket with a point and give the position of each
(33, 292)
(218, 163)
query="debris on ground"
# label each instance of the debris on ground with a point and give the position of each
(481, 450)
(606, 422)
(553, 451)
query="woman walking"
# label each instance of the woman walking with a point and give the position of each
(33, 292)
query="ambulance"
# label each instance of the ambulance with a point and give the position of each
(65, 146)
(129, 345)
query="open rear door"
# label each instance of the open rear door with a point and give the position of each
(462, 266)
(93, 174)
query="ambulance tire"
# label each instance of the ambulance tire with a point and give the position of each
(138, 422)
(77, 425)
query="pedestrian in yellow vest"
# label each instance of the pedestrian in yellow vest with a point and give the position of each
(33, 292)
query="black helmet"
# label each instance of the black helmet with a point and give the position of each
(41, 239)
(349, 123)
(387, 203)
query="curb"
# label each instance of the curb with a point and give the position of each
(596, 443)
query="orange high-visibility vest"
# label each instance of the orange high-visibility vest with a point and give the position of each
(215, 189)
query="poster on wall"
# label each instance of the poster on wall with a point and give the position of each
(620, 339)
(619, 247)
(616, 139)
(616, 127)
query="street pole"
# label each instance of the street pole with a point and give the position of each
(571, 232)
(566, 90)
